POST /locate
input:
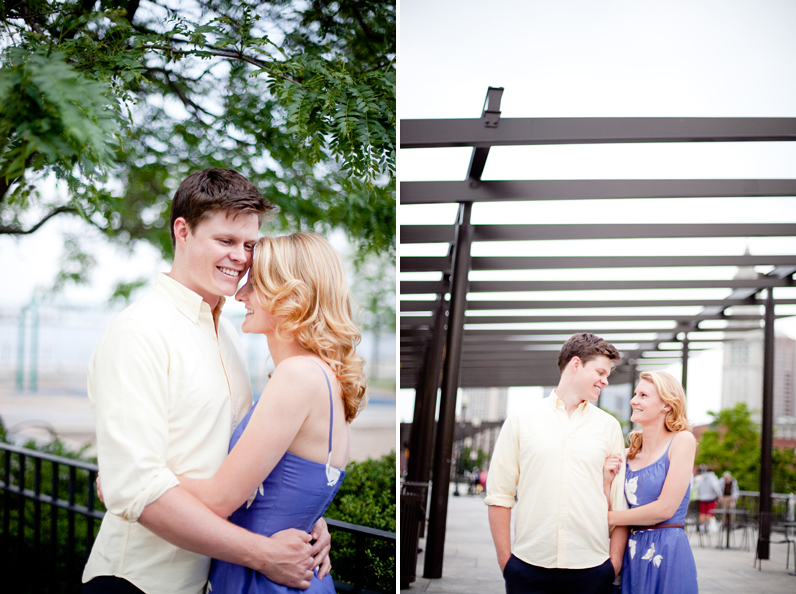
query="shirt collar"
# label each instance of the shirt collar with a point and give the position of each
(187, 302)
(556, 402)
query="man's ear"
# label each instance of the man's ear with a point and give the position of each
(181, 231)
(576, 362)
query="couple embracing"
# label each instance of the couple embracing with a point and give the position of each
(181, 447)
(586, 509)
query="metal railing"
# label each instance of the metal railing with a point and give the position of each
(782, 504)
(48, 546)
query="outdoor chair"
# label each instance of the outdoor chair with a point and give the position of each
(740, 522)
(780, 535)
(690, 524)
(705, 537)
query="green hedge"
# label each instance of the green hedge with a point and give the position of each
(366, 498)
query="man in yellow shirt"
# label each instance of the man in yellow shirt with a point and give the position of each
(168, 384)
(552, 459)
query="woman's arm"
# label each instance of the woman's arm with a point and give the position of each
(677, 480)
(284, 405)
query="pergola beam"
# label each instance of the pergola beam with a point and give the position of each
(410, 321)
(434, 264)
(436, 287)
(435, 192)
(445, 233)
(536, 131)
(417, 306)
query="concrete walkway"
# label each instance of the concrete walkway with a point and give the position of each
(62, 408)
(470, 564)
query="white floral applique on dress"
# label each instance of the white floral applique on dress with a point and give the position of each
(250, 500)
(630, 490)
(632, 544)
(651, 556)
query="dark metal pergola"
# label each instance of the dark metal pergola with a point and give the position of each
(455, 332)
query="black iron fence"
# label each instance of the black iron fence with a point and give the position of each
(51, 515)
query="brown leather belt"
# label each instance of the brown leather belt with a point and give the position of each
(656, 526)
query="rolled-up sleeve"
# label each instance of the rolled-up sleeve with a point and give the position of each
(128, 388)
(618, 500)
(504, 471)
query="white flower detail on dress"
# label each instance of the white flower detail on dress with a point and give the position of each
(630, 490)
(250, 500)
(332, 473)
(632, 544)
(651, 556)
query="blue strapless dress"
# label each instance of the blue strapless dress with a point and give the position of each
(657, 561)
(295, 494)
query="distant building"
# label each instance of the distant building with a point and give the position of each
(785, 432)
(486, 404)
(784, 385)
(742, 377)
(616, 400)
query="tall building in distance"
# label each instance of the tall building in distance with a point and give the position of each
(742, 377)
(486, 404)
(616, 400)
(784, 384)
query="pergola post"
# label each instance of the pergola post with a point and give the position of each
(767, 433)
(435, 543)
(421, 438)
(685, 362)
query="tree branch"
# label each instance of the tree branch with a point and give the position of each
(233, 55)
(17, 231)
(187, 101)
(30, 20)
(358, 16)
(132, 7)
(4, 185)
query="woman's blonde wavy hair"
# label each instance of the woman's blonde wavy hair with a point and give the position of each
(673, 394)
(300, 279)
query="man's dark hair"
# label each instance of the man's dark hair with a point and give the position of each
(586, 346)
(211, 190)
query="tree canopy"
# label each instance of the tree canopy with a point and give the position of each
(119, 100)
(733, 443)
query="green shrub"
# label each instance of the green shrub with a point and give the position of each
(366, 498)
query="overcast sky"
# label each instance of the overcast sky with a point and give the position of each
(606, 59)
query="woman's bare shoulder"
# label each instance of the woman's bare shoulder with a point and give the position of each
(684, 437)
(684, 443)
(301, 373)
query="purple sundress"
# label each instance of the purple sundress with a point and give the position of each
(657, 561)
(295, 494)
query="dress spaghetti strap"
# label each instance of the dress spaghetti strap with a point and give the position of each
(332, 473)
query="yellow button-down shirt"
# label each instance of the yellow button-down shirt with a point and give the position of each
(554, 464)
(166, 391)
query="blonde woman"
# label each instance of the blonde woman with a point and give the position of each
(660, 459)
(288, 453)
